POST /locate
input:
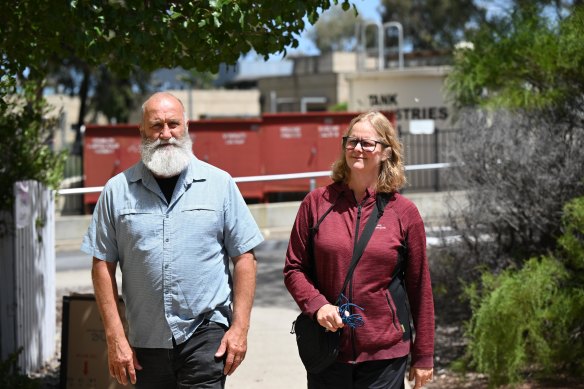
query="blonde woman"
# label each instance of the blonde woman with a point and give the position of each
(376, 337)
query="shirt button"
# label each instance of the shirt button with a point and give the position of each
(167, 216)
(167, 239)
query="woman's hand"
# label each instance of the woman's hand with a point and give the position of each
(328, 317)
(422, 376)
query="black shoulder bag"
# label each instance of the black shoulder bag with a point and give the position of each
(397, 290)
(318, 348)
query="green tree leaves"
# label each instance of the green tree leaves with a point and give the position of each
(151, 34)
(433, 24)
(525, 62)
(520, 80)
(25, 152)
(335, 30)
(36, 37)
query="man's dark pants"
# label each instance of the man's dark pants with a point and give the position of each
(191, 364)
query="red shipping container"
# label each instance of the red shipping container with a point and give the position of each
(274, 144)
(302, 142)
(107, 151)
(232, 145)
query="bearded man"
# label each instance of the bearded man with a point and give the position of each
(172, 223)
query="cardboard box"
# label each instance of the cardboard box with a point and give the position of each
(83, 345)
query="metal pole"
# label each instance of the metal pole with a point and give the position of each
(273, 102)
(436, 160)
(380, 47)
(400, 40)
(190, 98)
(379, 42)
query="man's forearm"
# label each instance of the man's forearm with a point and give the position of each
(106, 295)
(244, 284)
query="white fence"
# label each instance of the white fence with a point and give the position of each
(27, 276)
(274, 177)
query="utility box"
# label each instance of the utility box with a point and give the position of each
(84, 362)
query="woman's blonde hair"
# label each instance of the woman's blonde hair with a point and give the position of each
(391, 171)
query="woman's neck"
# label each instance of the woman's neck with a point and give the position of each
(359, 186)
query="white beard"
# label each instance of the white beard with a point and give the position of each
(167, 161)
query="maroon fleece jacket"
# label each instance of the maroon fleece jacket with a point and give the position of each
(381, 335)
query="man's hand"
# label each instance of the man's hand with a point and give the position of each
(234, 343)
(122, 361)
(233, 347)
(328, 317)
(422, 376)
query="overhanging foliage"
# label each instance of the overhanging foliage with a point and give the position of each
(150, 34)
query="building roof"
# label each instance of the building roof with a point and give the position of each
(252, 70)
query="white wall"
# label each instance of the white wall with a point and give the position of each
(415, 93)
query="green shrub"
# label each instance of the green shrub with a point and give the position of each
(532, 319)
(11, 376)
(26, 128)
(571, 242)
(339, 107)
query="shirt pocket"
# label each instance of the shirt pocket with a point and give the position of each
(202, 218)
(134, 222)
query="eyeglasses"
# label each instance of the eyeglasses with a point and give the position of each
(349, 143)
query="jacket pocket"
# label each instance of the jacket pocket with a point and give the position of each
(393, 310)
(397, 293)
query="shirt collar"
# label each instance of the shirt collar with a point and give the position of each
(195, 171)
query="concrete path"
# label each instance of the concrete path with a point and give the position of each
(272, 360)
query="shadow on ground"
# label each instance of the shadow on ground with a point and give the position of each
(270, 290)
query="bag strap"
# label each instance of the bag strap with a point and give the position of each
(381, 201)
(400, 267)
(314, 229)
(402, 258)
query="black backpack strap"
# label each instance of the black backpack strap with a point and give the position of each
(314, 229)
(402, 253)
(381, 201)
(312, 232)
(397, 288)
(402, 257)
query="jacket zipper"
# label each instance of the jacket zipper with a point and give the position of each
(353, 342)
(393, 315)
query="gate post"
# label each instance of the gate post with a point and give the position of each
(27, 276)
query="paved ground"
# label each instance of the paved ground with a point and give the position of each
(272, 360)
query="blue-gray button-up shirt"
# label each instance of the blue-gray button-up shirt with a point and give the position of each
(174, 257)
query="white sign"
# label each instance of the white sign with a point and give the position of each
(329, 131)
(422, 127)
(290, 132)
(23, 205)
(103, 145)
(234, 138)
